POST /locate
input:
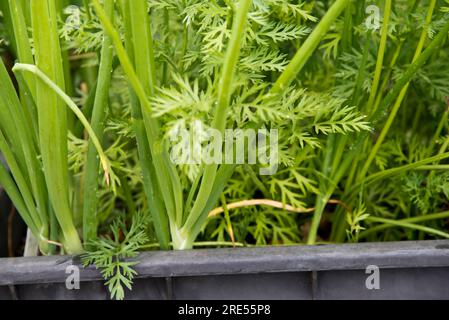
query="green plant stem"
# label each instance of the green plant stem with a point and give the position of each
(166, 173)
(224, 96)
(401, 95)
(8, 25)
(287, 77)
(227, 217)
(420, 219)
(351, 192)
(151, 187)
(87, 8)
(223, 175)
(342, 140)
(90, 221)
(434, 167)
(17, 199)
(437, 134)
(191, 195)
(380, 56)
(378, 115)
(389, 99)
(407, 225)
(308, 47)
(257, 181)
(338, 227)
(103, 159)
(418, 165)
(362, 72)
(122, 54)
(24, 52)
(22, 186)
(53, 119)
(444, 145)
(326, 190)
(347, 29)
(167, 176)
(165, 69)
(14, 126)
(185, 41)
(386, 77)
(78, 113)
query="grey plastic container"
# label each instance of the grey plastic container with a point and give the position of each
(407, 270)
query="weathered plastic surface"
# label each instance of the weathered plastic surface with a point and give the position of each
(407, 270)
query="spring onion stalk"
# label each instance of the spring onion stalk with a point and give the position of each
(167, 176)
(29, 118)
(224, 173)
(53, 119)
(21, 183)
(148, 124)
(163, 175)
(17, 198)
(152, 191)
(78, 113)
(90, 221)
(16, 134)
(24, 52)
(74, 108)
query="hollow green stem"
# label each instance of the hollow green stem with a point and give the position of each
(17, 199)
(90, 221)
(53, 118)
(72, 105)
(152, 191)
(24, 52)
(13, 124)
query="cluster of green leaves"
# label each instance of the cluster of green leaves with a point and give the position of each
(113, 254)
(80, 29)
(303, 117)
(345, 66)
(411, 135)
(362, 117)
